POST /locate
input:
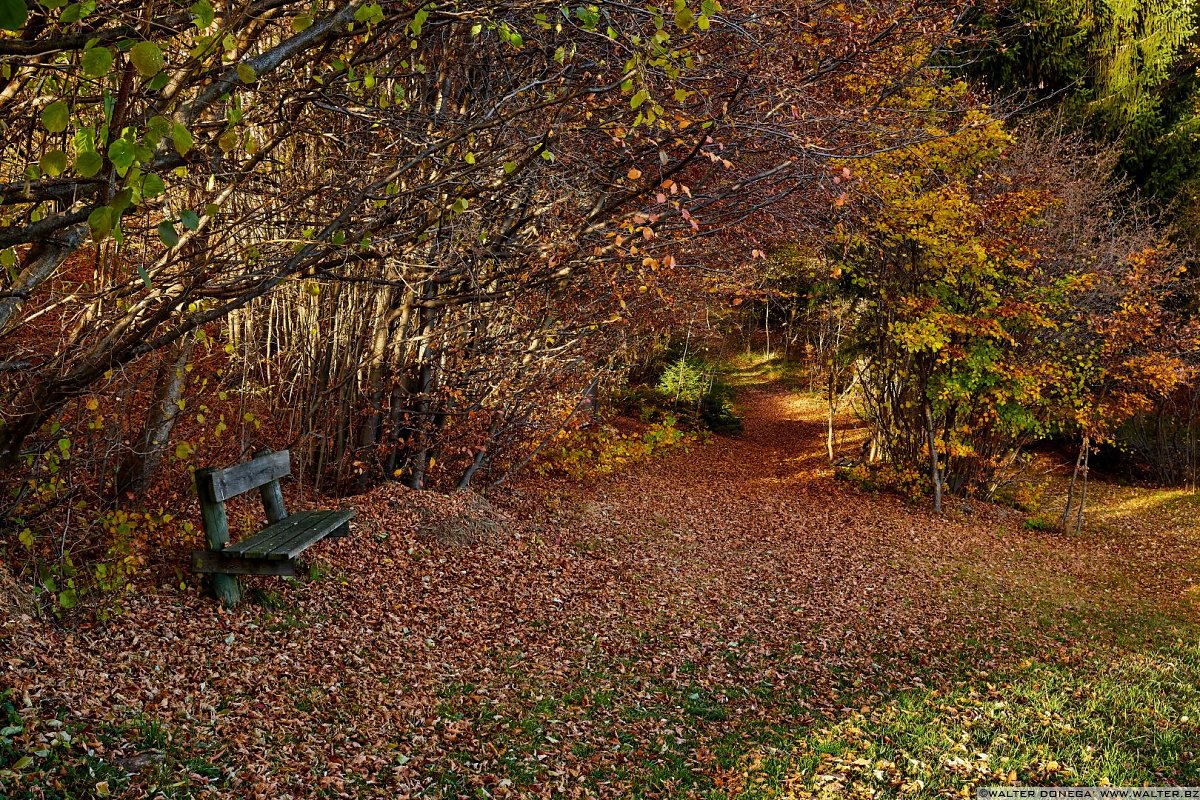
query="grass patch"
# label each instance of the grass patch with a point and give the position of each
(1131, 720)
(50, 757)
(759, 369)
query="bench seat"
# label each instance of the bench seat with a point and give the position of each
(290, 537)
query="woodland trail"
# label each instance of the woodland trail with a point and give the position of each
(650, 634)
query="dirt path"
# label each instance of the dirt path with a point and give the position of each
(646, 635)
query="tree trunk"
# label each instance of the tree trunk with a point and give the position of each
(935, 471)
(138, 467)
(1066, 515)
(1087, 449)
(830, 397)
(481, 455)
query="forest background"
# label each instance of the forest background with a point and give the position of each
(418, 242)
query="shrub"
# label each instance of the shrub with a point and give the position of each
(698, 395)
(883, 477)
(590, 453)
(1040, 522)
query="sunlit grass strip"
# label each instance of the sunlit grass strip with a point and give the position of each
(1130, 721)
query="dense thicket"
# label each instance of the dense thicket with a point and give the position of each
(402, 239)
(408, 241)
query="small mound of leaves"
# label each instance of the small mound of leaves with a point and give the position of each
(459, 518)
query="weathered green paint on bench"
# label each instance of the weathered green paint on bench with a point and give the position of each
(271, 551)
(292, 536)
(265, 468)
(217, 563)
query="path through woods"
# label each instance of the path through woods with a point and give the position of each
(664, 632)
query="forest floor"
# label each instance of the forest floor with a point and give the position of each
(725, 620)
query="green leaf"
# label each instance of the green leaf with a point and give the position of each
(168, 234)
(100, 222)
(97, 62)
(145, 276)
(147, 59)
(639, 98)
(190, 220)
(684, 19)
(203, 12)
(8, 257)
(510, 167)
(419, 21)
(53, 163)
(25, 537)
(122, 154)
(152, 186)
(302, 22)
(157, 128)
(55, 116)
(460, 205)
(246, 73)
(23, 761)
(13, 14)
(68, 599)
(372, 14)
(88, 163)
(120, 202)
(182, 138)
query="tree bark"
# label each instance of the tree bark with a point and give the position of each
(140, 463)
(934, 469)
(1066, 514)
(1087, 449)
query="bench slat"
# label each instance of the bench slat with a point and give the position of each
(310, 530)
(271, 535)
(210, 562)
(301, 541)
(290, 537)
(227, 483)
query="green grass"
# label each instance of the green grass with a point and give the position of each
(1129, 720)
(47, 757)
(756, 369)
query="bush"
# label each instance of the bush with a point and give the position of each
(883, 477)
(1023, 496)
(592, 453)
(697, 394)
(1040, 522)
(685, 382)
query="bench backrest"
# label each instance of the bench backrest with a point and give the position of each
(218, 485)
(215, 486)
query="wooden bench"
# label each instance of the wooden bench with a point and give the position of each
(271, 551)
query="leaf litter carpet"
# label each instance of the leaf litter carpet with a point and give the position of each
(642, 635)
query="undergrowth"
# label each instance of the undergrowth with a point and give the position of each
(593, 452)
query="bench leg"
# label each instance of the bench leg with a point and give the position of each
(226, 588)
(341, 531)
(216, 535)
